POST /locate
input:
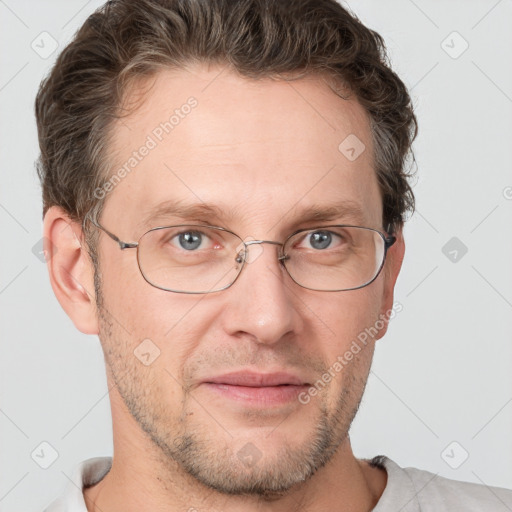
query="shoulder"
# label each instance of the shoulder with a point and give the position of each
(452, 493)
(419, 490)
(85, 474)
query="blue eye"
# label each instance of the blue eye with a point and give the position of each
(190, 240)
(320, 239)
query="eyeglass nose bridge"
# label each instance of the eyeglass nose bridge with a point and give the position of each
(281, 258)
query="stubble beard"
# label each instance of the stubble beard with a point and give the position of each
(194, 451)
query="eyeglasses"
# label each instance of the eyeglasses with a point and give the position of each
(194, 258)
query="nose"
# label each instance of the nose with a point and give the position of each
(262, 302)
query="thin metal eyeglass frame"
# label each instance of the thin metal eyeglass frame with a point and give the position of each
(389, 240)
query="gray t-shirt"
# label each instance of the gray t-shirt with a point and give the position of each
(407, 490)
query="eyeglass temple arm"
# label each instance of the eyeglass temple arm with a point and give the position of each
(122, 245)
(390, 239)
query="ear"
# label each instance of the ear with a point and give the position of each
(394, 259)
(70, 269)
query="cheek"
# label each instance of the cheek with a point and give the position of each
(348, 315)
(174, 323)
(141, 309)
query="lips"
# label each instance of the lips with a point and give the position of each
(251, 379)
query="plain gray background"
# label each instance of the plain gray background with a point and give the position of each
(441, 384)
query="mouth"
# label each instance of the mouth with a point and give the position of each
(252, 379)
(257, 389)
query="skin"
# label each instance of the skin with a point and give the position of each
(268, 149)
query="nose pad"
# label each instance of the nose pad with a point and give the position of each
(250, 252)
(241, 254)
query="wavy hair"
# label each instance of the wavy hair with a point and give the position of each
(129, 40)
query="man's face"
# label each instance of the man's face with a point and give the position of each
(262, 152)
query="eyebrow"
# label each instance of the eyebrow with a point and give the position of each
(209, 213)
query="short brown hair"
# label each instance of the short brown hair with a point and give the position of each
(132, 39)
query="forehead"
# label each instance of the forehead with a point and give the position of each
(260, 150)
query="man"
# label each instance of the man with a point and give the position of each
(224, 190)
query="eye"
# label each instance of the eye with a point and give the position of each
(189, 240)
(321, 239)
